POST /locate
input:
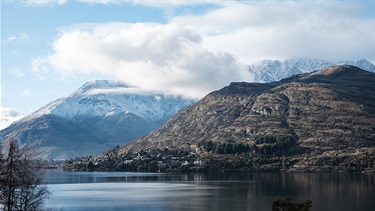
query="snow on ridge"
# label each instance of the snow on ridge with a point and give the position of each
(275, 70)
(100, 84)
(44, 110)
(119, 90)
(144, 106)
(104, 98)
(104, 84)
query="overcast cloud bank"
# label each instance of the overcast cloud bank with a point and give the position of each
(192, 55)
(9, 115)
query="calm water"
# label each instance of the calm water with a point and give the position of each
(222, 191)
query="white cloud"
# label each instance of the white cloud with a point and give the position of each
(157, 4)
(195, 54)
(102, 1)
(26, 92)
(44, 2)
(8, 116)
(21, 37)
(17, 72)
(11, 38)
(130, 90)
(162, 57)
(265, 30)
(172, 3)
(41, 68)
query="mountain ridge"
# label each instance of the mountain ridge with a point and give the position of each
(317, 108)
(101, 113)
(275, 70)
(95, 105)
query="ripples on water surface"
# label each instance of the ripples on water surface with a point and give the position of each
(221, 191)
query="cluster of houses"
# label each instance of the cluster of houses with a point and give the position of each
(148, 160)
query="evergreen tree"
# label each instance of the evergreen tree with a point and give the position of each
(21, 181)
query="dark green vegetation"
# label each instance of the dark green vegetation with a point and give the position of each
(229, 147)
(289, 205)
(270, 144)
(21, 181)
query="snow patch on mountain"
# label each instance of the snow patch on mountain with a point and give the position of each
(275, 70)
(103, 98)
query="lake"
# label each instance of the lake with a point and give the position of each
(201, 191)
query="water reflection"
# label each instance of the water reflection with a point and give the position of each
(218, 191)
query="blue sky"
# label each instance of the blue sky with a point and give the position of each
(49, 48)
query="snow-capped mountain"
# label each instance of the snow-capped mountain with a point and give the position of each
(96, 117)
(103, 98)
(275, 70)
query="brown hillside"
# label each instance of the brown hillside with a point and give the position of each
(329, 109)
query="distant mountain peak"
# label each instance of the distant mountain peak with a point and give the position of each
(101, 84)
(335, 69)
(99, 115)
(275, 70)
(104, 84)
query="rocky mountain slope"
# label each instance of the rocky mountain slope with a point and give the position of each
(275, 70)
(331, 110)
(99, 115)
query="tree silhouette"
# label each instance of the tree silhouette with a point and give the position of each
(289, 205)
(21, 181)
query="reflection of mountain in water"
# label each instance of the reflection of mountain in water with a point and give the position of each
(222, 191)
